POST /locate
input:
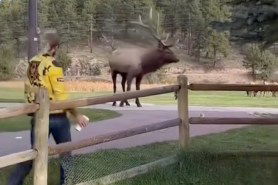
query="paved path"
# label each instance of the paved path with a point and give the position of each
(134, 117)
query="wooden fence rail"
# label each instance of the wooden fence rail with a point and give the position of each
(18, 110)
(16, 158)
(233, 121)
(115, 97)
(70, 146)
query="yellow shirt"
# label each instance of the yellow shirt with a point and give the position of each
(44, 72)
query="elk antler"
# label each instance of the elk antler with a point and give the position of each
(172, 43)
(140, 23)
(167, 37)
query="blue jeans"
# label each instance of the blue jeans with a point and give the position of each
(59, 127)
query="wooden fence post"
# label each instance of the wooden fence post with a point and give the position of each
(41, 138)
(183, 112)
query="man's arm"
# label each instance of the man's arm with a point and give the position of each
(57, 81)
(56, 78)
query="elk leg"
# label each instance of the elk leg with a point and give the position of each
(138, 83)
(248, 93)
(123, 85)
(255, 93)
(124, 76)
(114, 79)
(129, 81)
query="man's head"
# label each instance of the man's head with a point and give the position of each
(53, 43)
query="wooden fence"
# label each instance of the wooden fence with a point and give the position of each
(39, 154)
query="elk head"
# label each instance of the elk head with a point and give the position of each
(166, 55)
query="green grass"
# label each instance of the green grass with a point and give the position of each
(23, 122)
(222, 99)
(11, 95)
(225, 99)
(199, 168)
(205, 169)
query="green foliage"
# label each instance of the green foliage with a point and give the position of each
(187, 20)
(5, 33)
(261, 62)
(268, 65)
(192, 19)
(63, 59)
(13, 24)
(217, 43)
(253, 21)
(7, 62)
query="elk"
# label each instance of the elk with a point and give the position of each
(133, 63)
(252, 93)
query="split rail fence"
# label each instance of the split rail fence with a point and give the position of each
(41, 151)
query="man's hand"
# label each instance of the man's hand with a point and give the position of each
(82, 120)
(78, 118)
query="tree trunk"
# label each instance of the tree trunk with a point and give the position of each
(253, 72)
(126, 28)
(18, 47)
(214, 56)
(198, 55)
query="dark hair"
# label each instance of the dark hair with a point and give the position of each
(53, 40)
(53, 44)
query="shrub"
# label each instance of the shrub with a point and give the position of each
(7, 62)
(95, 70)
(261, 62)
(64, 60)
(159, 77)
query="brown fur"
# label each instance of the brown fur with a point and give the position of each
(136, 62)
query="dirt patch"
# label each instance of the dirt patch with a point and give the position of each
(12, 84)
(85, 86)
(80, 78)
(228, 70)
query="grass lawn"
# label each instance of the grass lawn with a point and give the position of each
(222, 99)
(192, 169)
(226, 99)
(23, 122)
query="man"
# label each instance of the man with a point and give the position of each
(44, 71)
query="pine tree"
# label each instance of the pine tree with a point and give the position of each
(13, 16)
(253, 21)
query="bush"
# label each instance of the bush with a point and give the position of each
(64, 60)
(261, 62)
(7, 62)
(95, 70)
(269, 64)
(157, 77)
